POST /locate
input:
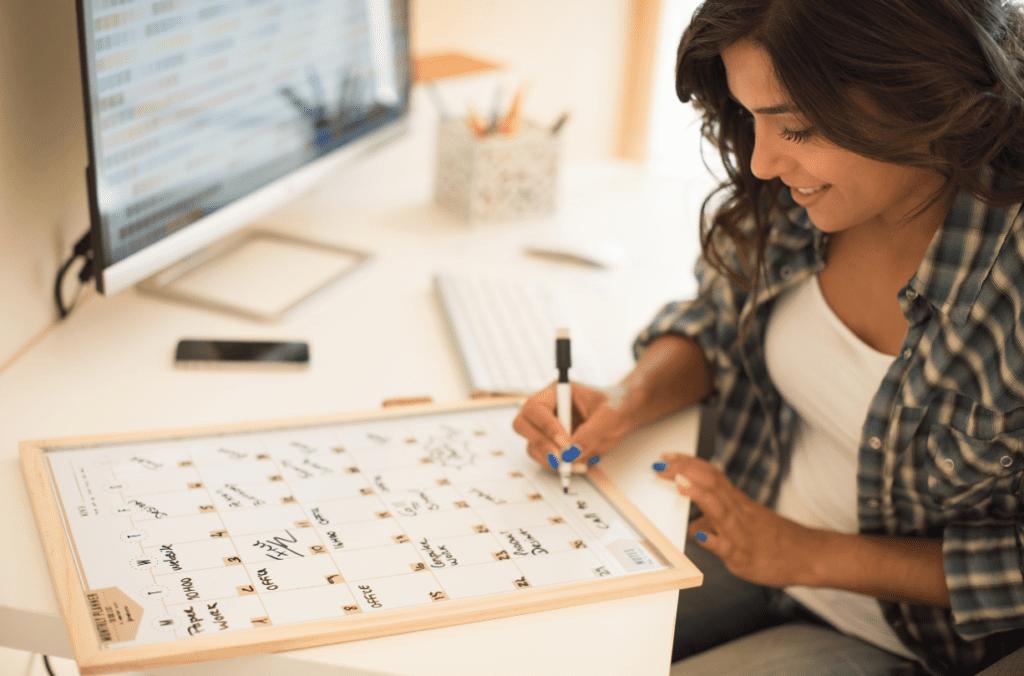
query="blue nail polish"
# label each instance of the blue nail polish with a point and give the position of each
(593, 461)
(660, 466)
(700, 536)
(571, 453)
(553, 461)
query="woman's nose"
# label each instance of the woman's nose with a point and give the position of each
(769, 159)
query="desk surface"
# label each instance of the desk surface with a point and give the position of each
(108, 368)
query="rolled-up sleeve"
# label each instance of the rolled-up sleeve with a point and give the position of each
(984, 575)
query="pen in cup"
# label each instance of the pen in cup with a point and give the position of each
(559, 123)
(513, 121)
(492, 124)
(475, 124)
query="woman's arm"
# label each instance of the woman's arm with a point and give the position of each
(902, 570)
(672, 373)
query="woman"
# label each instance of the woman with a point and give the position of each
(858, 331)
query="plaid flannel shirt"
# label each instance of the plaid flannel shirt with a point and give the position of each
(942, 449)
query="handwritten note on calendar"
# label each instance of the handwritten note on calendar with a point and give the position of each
(195, 538)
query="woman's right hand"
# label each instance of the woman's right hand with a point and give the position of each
(671, 374)
(598, 426)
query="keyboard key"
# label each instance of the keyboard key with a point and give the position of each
(505, 333)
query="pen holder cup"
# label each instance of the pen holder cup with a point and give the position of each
(496, 177)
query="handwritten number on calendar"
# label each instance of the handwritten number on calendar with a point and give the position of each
(278, 547)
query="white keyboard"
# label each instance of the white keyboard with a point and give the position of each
(505, 334)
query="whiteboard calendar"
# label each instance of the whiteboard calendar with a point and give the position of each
(188, 545)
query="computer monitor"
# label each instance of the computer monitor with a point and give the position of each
(203, 115)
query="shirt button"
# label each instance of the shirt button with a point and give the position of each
(910, 294)
(948, 464)
(1006, 461)
(875, 443)
(907, 352)
(873, 504)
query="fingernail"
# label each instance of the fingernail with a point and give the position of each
(700, 536)
(682, 481)
(659, 466)
(571, 453)
(593, 461)
(553, 461)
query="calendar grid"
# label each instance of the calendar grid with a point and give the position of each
(417, 519)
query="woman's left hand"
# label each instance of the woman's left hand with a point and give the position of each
(753, 542)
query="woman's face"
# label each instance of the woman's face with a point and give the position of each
(839, 188)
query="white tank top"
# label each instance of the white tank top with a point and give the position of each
(829, 376)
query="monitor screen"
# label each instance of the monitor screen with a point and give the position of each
(203, 115)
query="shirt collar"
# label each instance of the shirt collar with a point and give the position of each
(961, 254)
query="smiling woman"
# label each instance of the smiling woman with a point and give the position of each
(858, 334)
(860, 200)
(917, 83)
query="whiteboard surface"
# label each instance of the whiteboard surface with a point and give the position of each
(187, 545)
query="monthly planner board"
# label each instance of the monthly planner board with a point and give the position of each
(192, 545)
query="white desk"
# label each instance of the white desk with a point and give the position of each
(379, 334)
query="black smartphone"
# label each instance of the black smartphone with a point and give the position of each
(201, 352)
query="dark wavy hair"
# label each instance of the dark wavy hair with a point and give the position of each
(939, 74)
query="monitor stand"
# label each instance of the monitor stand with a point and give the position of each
(258, 274)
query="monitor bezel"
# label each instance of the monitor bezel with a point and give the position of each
(111, 277)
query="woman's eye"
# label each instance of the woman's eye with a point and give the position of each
(797, 135)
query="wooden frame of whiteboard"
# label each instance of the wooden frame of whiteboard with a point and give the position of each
(92, 660)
